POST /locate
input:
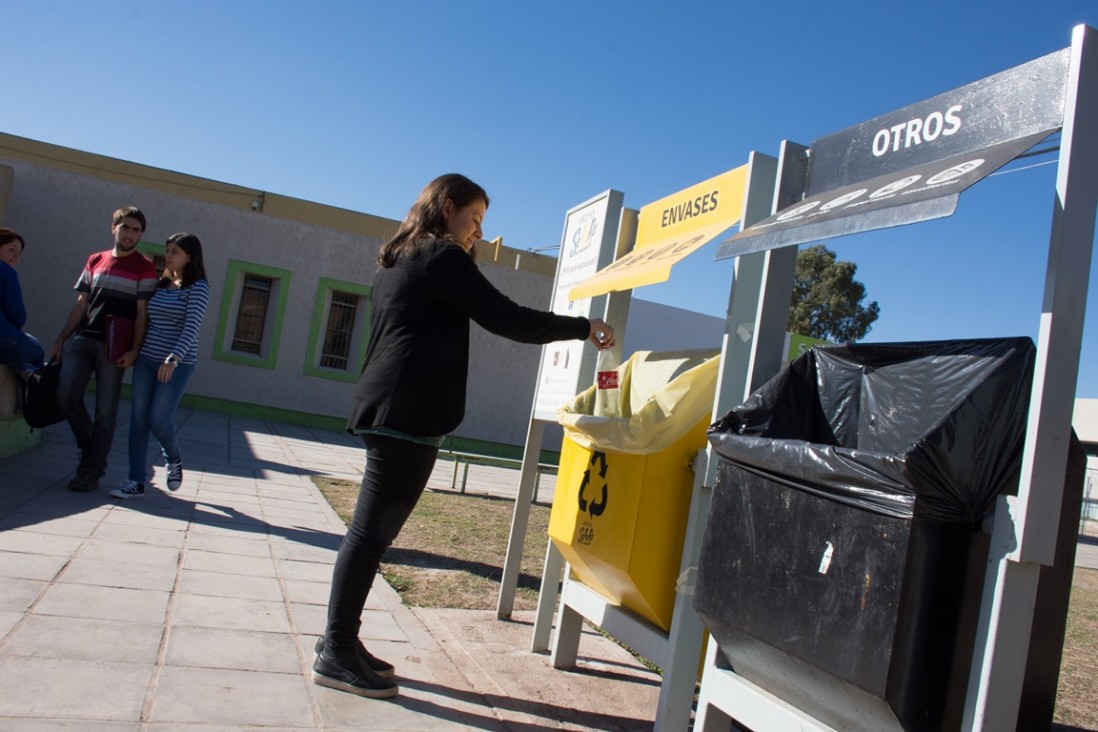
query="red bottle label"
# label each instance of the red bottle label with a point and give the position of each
(608, 379)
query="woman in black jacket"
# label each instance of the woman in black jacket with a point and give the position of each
(412, 393)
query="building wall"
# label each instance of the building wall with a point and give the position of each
(66, 215)
(61, 201)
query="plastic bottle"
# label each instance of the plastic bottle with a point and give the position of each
(607, 393)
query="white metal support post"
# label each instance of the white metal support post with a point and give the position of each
(677, 651)
(1025, 529)
(755, 329)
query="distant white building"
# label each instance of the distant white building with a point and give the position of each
(1085, 422)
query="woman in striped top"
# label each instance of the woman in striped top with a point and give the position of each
(167, 360)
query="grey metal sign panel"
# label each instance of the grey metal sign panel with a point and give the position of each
(1015, 103)
(928, 191)
(892, 169)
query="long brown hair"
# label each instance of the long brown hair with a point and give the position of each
(425, 219)
(195, 268)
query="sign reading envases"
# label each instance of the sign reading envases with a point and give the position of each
(912, 164)
(670, 229)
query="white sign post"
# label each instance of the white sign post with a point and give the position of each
(590, 241)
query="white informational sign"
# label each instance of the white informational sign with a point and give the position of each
(590, 235)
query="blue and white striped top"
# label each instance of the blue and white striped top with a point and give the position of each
(174, 319)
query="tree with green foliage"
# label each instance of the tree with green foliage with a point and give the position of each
(827, 300)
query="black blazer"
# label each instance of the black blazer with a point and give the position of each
(417, 360)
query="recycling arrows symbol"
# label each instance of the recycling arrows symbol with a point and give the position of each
(595, 508)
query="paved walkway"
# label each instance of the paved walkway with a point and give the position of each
(198, 609)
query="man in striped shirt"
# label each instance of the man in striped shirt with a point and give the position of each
(111, 297)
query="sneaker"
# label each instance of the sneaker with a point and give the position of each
(175, 475)
(128, 489)
(350, 675)
(384, 669)
(84, 482)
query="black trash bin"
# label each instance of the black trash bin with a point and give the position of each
(843, 560)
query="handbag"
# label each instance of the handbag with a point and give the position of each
(119, 337)
(40, 405)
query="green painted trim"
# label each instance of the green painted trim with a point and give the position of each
(151, 248)
(235, 270)
(17, 437)
(312, 355)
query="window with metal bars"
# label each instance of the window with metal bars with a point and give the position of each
(339, 331)
(251, 315)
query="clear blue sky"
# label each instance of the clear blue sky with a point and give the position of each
(358, 104)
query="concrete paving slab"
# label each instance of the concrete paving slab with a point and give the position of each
(229, 697)
(105, 603)
(294, 569)
(33, 542)
(243, 546)
(220, 584)
(18, 595)
(87, 639)
(77, 690)
(64, 526)
(18, 565)
(128, 515)
(229, 563)
(140, 535)
(119, 574)
(308, 593)
(243, 650)
(8, 620)
(233, 613)
(62, 725)
(164, 558)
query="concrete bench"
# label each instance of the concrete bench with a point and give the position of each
(9, 394)
(15, 435)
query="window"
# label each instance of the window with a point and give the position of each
(253, 304)
(337, 336)
(339, 332)
(251, 316)
(155, 252)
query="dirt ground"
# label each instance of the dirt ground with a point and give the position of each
(608, 691)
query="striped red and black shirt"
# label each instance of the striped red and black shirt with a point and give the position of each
(113, 286)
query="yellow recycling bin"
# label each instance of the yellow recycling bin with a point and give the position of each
(624, 484)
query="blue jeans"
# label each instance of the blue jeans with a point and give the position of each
(394, 478)
(154, 404)
(82, 358)
(21, 352)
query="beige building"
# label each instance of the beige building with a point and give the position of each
(286, 331)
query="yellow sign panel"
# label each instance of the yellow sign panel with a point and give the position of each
(670, 229)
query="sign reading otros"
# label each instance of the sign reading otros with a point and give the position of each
(916, 131)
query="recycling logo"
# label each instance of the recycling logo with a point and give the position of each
(594, 507)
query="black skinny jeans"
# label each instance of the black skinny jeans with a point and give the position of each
(394, 478)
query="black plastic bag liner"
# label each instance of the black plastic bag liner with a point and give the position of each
(932, 430)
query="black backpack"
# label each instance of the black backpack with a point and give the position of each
(40, 406)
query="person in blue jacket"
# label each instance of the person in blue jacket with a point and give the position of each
(18, 350)
(412, 393)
